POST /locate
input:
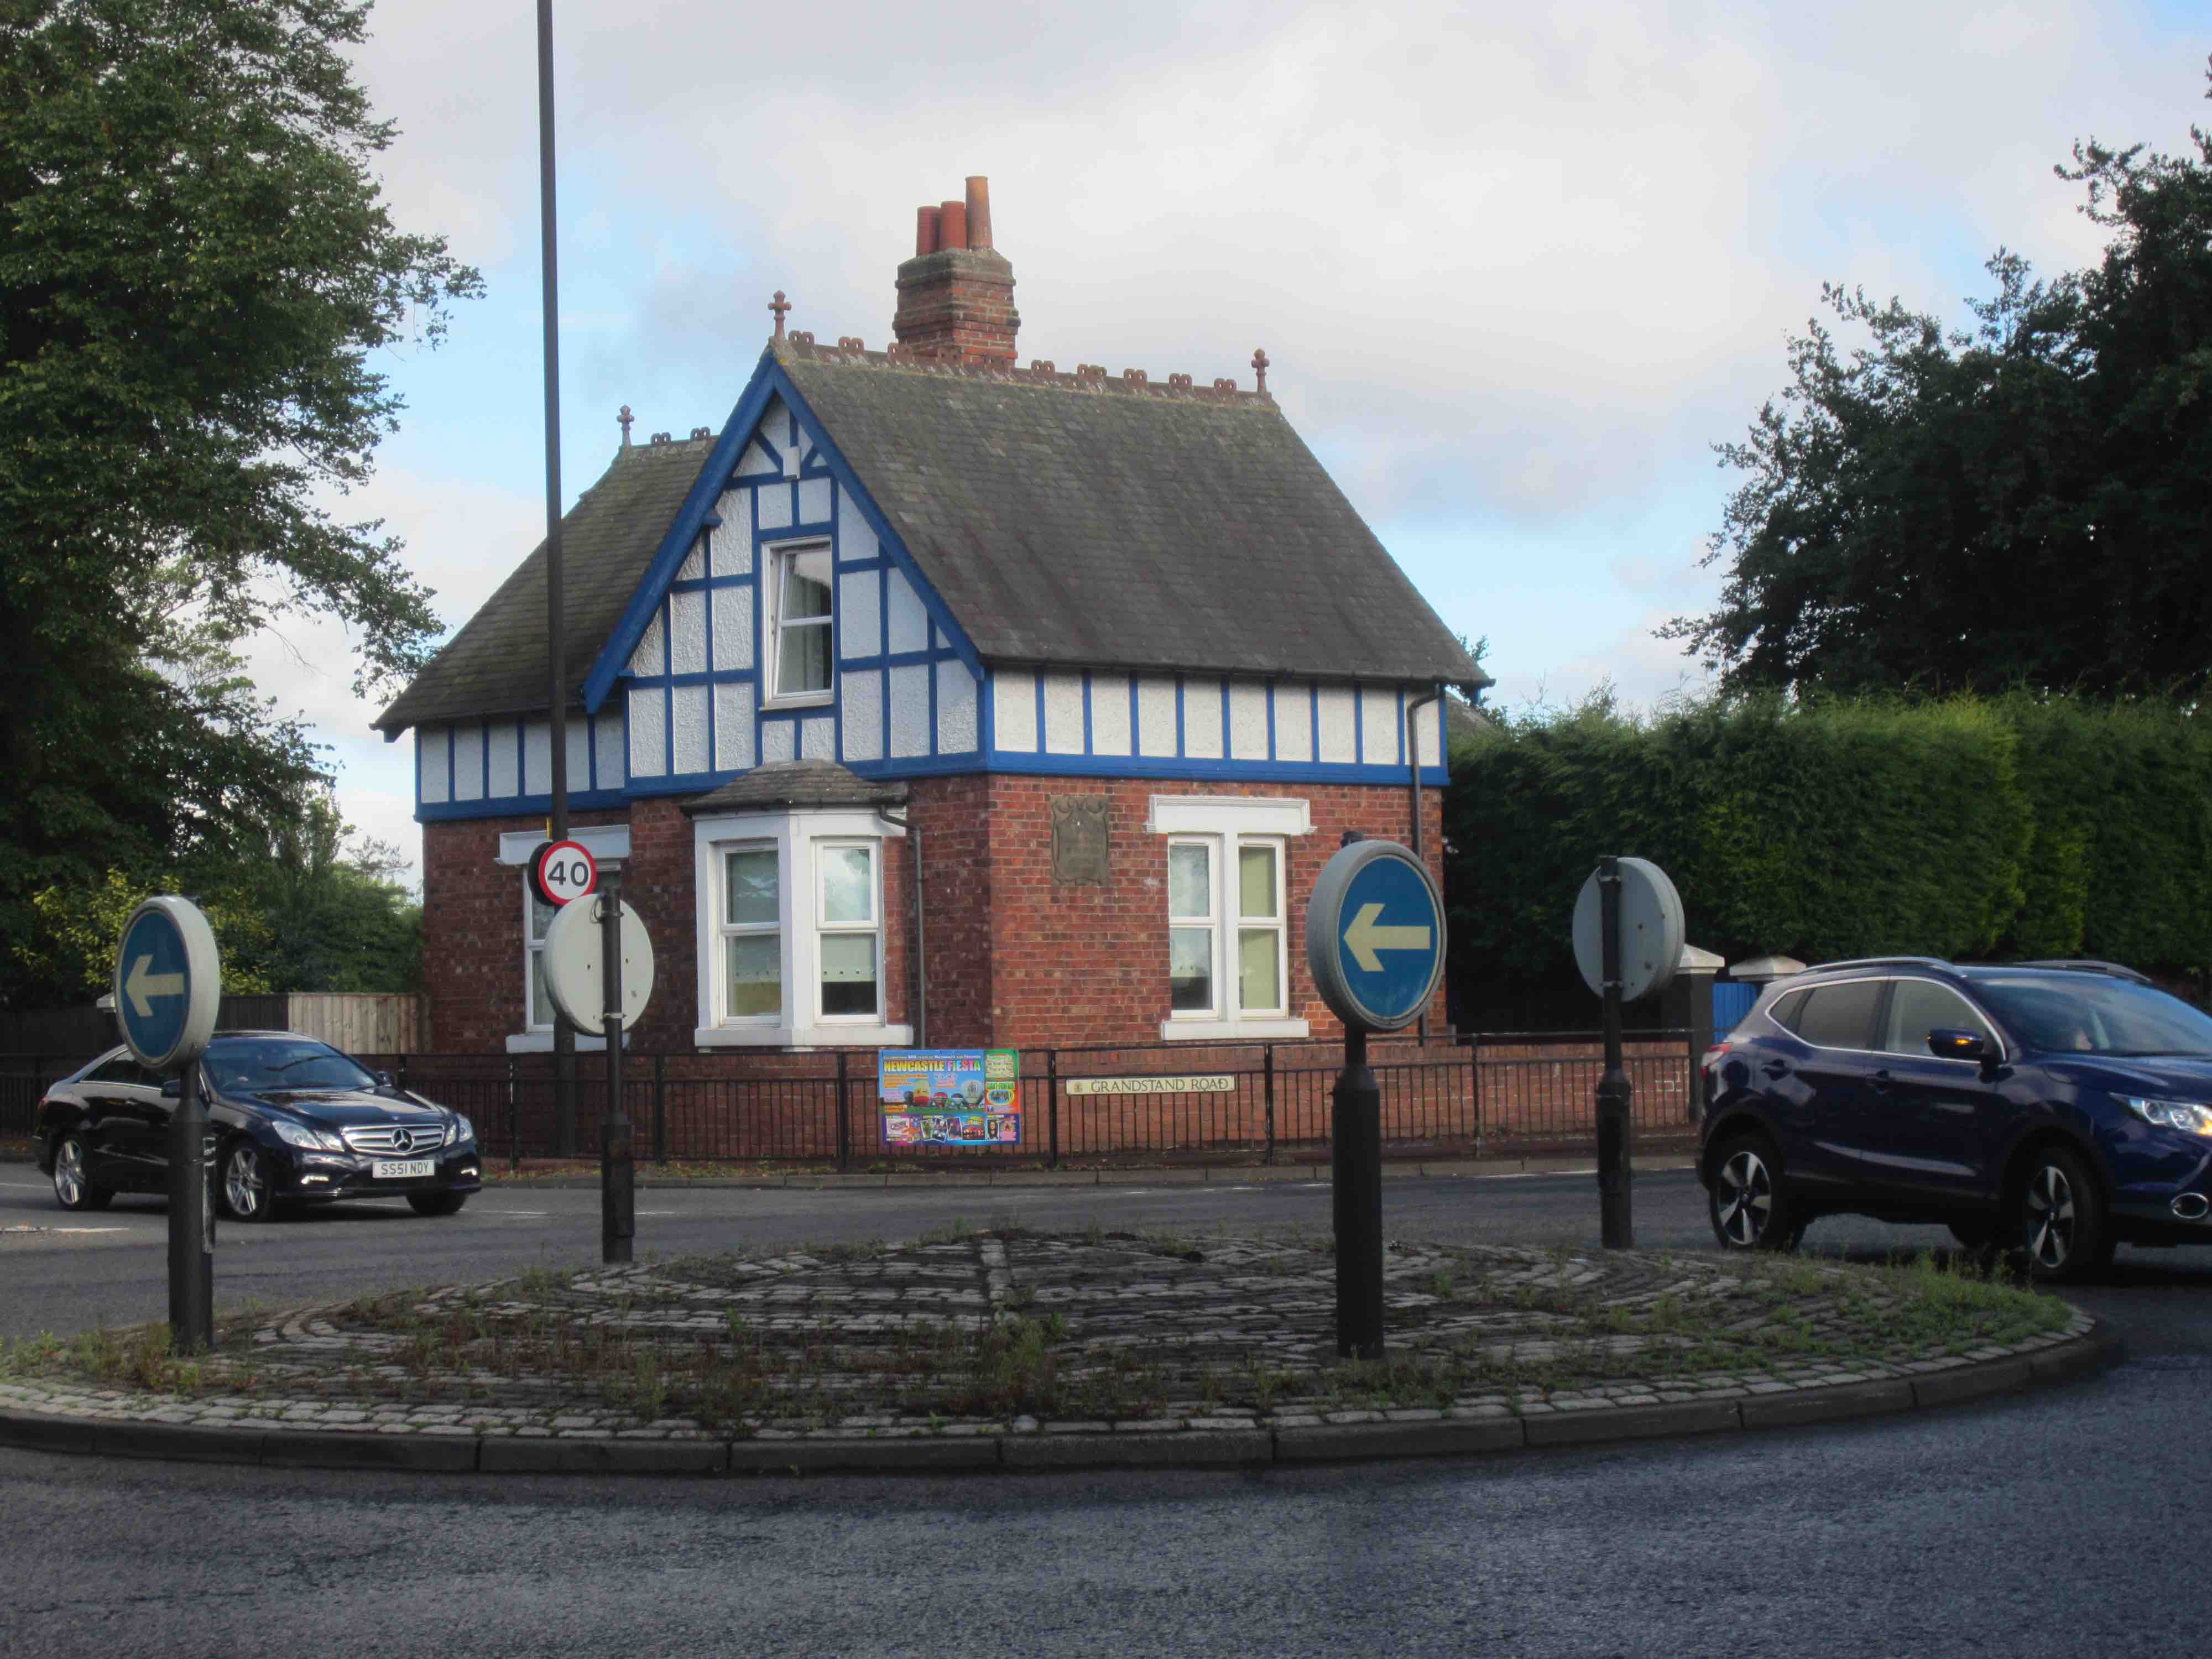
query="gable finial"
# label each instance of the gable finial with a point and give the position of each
(779, 305)
(1260, 368)
(622, 421)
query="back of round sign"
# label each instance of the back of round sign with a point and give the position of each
(1652, 931)
(574, 966)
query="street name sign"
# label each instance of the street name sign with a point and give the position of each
(168, 982)
(1375, 936)
(1213, 1082)
(562, 872)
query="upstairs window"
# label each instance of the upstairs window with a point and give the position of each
(799, 633)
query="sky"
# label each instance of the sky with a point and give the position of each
(1516, 269)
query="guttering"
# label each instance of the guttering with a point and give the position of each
(1435, 695)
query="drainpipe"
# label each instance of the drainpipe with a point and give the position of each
(921, 957)
(1413, 768)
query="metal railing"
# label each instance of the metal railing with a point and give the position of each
(1493, 1093)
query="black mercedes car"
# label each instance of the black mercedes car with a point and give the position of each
(295, 1121)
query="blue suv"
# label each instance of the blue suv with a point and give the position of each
(2055, 1107)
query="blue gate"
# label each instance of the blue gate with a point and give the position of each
(1731, 1002)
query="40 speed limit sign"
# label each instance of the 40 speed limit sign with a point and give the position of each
(562, 872)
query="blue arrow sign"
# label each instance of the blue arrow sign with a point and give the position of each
(1375, 935)
(167, 981)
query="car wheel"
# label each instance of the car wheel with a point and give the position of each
(72, 1188)
(248, 1191)
(436, 1203)
(2063, 1228)
(1749, 1201)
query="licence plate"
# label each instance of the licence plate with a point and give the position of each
(400, 1168)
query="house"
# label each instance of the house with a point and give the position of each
(938, 699)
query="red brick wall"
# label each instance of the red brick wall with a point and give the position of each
(953, 815)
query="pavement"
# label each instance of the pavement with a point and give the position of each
(1196, 1323)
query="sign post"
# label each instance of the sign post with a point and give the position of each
(1375, 943)
(168, 984)
(599, 972)
(618, 1164)
(1629, 931)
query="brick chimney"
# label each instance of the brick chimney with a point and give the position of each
(956, 296)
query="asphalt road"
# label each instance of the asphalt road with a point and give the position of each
(2059, 1522)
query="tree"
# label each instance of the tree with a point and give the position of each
(2026, 503)
(195, 274)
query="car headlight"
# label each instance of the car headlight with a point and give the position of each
(2180, 1115)
(299, 1134)
(459, 1129)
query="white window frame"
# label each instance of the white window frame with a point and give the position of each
(1224, 823)
(872, 927)
(725, 930)
(538, 1039)
(774, 558)
(602, 840)
(799, 836)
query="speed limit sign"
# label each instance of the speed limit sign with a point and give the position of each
(561, 871)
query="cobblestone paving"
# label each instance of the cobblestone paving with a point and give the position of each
(1220, 1333)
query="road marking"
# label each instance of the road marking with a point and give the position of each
(63, 1230)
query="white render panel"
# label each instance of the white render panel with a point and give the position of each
(687, 632)
(773, 503)
(955, 709)
(1063, 714)
(1156, 717)
(1247, 719)
(1109, 714)
(862, 690)
(430, 749)
(909, 621)
(1013, 709)
(1427, 740)
(777, 426)
(467, 762)
(855, 540)
(580, 751)
(1378, 726)
(500, 743)
(814, 496)
(733, 538)
(649, 660)
(1293, 721)
(537, 757)
(734, 726)
(817, 740)
(689, 703)
(756, 463)
(775, 741)
(910, 709)
(1201, 719)
(860, 614)
(733, 627)
(1337, 739)
(607, 750)
(694, 564)
(648, 732)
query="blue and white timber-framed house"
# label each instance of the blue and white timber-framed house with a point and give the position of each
(1095, 667)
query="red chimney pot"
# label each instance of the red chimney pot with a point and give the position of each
(953, 217)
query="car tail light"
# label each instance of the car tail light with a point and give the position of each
(1714, 1054)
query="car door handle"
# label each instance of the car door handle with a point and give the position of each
(1775, 1068)
(1879, 1082)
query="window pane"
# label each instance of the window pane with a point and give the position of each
(541, 1002)
(848, 973)
(805, 586)
(1190, 969)
(1840, 1016)
(1259, 982)
(541, 918)
(750, 882)
(1918, 1006)
(802, 661)
(1256, 882)
(1190, 886)
(756, 975)
(847, 893)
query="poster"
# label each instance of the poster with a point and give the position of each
(951, 1097)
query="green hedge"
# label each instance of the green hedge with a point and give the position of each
(1964, 828)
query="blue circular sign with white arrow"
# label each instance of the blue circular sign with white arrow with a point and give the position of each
(1375, 935)
(168, 982)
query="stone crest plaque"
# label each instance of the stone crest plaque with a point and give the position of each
(1079, 841)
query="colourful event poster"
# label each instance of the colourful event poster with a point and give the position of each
(951, 1097)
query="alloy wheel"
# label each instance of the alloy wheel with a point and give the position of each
(1745, 1200)
(69, 1173)
(243, 1184)
(2049, 1230)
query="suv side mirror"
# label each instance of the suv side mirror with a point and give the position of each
(1946, 1044)
(385, 1080)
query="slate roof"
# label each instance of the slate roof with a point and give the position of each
(496, 664)
(1115, 521)
(1067, 519)
(796, 783)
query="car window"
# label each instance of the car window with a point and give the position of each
(124, 1069)
(1921, 1005)
(2087, 1013)
(1840, 1016)
(1786, 1009)
(261, 1064)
